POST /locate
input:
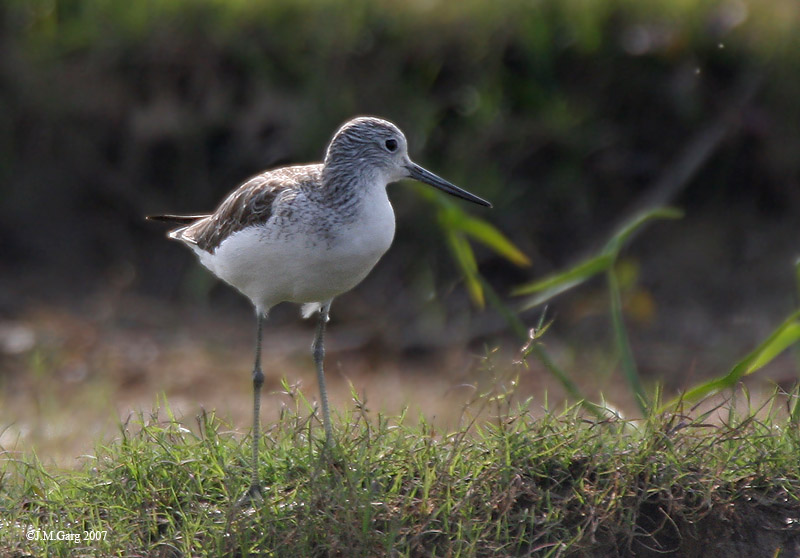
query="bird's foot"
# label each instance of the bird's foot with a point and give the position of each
(252, 497)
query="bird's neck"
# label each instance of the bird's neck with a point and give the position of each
(345, 187)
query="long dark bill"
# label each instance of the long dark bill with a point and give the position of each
(418, 173)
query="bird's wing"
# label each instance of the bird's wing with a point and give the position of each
(250, 203)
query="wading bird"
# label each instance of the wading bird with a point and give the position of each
(308, 233)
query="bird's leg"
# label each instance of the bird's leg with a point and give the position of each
(258, 380)
(318, 350)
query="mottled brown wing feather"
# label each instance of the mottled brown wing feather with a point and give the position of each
(251, 203)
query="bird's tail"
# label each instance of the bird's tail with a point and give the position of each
(176, 219)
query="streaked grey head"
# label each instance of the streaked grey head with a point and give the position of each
(377, 148)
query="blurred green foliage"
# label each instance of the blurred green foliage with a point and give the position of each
(606, 261)
(559, 111)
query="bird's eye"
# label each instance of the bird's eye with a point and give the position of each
(391, 145)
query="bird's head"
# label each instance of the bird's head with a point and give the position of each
(377, 148)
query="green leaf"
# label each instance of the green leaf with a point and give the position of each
(454, 217)
(786, 337)
(487, 234)
(783, 337)
(555, 284)
(452, 220)
(465, 258)
(617, 242)
(627, 362)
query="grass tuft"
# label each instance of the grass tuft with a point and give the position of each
(504, 484)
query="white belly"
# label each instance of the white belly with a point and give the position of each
(313, 261)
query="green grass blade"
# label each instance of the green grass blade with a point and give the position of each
(788, 336)
(512, 319)
(563, 378)
(488, 235)
(465, 258)
(794, 405)
(617, 242)
(555, 284)
(453, 218)
(783, 337)
(797, 278)
(550, 286)
(627, 360)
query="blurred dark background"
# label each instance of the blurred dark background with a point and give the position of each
(567, 115)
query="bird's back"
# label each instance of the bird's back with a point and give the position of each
(254, 202)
